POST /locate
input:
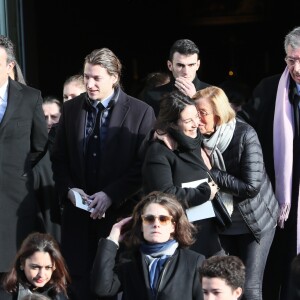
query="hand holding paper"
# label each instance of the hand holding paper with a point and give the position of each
(81, 203)
(202, 211)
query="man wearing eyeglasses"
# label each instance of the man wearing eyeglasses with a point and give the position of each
(274, 113)
(183, 62)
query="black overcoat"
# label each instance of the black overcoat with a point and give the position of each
(23, 139)
(165, 170)
(119, 176)
(179, 279)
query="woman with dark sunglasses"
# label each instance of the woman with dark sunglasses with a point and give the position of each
(155, 263)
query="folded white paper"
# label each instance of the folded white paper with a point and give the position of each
(80, 203)
(193, 184)
(200, 212)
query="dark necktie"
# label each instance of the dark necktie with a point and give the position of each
(100, 108)
(93, 153)
(296, 101)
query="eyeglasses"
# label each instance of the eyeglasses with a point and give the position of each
(291, 61)
(204, 113)
(150, 219)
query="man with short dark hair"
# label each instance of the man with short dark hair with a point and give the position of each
(183, 63)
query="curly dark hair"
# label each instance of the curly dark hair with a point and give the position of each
(229, 268)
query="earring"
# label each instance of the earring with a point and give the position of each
(21, 268)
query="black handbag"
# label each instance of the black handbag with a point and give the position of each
(223, 219)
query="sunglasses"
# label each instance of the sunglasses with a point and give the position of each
(150, 219)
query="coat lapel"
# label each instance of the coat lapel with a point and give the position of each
(146, 275)
(79, 133)
(119, 113)
(13, 102)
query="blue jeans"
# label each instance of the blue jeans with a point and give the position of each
(254, 255)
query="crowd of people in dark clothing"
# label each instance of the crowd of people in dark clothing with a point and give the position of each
(106, 195)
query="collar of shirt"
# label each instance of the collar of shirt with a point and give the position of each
(104, 102)
(4, 92)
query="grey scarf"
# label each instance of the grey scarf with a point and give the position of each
(214, 146)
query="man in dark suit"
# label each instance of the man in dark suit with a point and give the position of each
(43, 176)
(23, 139)
(96, 154)
(183, 62)
(274, 112)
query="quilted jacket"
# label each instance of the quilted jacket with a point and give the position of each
(246, 179)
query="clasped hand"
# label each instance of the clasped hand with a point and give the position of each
(213, 189)
(99, 201)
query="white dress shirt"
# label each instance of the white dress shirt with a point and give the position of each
(3, 99)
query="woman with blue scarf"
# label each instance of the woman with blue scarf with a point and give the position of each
(156, 263)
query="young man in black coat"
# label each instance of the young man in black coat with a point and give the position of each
(96, 155)
(183, 63)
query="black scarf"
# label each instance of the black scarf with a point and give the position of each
(185, 143)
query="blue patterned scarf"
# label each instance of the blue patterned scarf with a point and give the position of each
(157, 254)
